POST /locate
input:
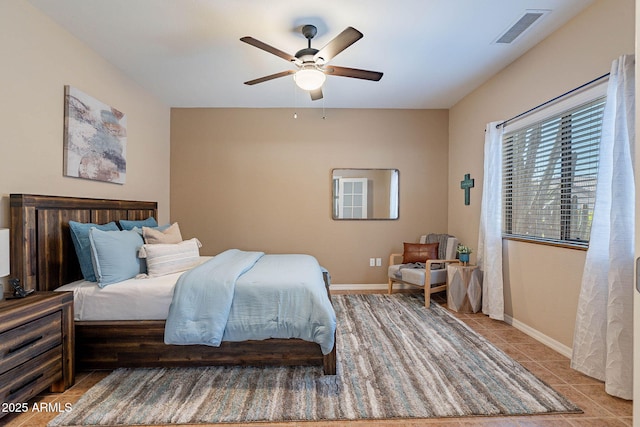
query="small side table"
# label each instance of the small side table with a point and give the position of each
(464, 292)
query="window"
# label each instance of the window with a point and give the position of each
(549, 176)
(353, 198)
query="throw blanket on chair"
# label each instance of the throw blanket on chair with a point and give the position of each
(416, 265)
(442, 240)
(202, 299)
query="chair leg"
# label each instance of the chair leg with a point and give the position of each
(446, 292)
(427, 296)
(390, 286)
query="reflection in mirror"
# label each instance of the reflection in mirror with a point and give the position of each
(365, 193)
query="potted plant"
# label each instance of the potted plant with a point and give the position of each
(463, 254)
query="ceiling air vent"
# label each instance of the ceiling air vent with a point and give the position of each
(520, 26)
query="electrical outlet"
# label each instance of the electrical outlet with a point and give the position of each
(378, 262)
(372, 262)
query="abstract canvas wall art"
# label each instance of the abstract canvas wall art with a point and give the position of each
(95, 139)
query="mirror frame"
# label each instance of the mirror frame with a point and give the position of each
(335, 194)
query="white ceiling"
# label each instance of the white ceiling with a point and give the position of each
(188, 52)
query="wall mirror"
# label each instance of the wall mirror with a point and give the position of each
(365, 193)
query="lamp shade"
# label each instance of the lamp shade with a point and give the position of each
(309, 78)
(5, 264)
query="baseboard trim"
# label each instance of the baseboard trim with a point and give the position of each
(368, 286)
(523, 327)
(539, 336)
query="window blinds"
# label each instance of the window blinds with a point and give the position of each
(549, 176)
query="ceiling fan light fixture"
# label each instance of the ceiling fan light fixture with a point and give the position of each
(310, 62)
(309, 78)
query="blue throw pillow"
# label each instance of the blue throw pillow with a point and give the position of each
(80, 238)
(115, 255)
(130, 224)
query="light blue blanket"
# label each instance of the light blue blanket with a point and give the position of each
(202, 299)
(273, 296)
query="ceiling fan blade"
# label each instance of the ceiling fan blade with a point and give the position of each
(353, 72)
(342, 41)
(268, 48)
(269, 77)
(316, 94)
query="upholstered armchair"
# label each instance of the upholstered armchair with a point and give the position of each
(432, 255)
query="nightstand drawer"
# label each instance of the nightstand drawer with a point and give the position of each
(25, 342)
(25, 381)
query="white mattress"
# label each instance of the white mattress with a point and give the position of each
(133, 299)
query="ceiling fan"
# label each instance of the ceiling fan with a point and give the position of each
(311, 63)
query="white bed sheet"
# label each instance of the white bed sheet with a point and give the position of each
(133, 299)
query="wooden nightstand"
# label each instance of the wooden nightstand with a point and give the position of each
(36, 345)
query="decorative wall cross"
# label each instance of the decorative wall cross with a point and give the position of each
(467, 184)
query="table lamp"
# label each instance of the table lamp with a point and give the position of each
(5, 264)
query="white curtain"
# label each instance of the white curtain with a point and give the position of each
(603, 338)
(489, 256)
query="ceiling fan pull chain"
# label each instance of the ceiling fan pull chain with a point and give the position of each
(324, 116)
(295, 101)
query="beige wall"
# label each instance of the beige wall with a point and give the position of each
(542, 283)
(38, 59)
(258, 179)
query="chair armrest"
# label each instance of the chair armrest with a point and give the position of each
(393, 259)
(397, 258)
(441, 261)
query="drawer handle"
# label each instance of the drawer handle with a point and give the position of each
(24, 344)
(28, 383)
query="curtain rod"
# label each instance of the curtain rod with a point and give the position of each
(552, 100)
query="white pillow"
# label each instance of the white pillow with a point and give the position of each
(167, 258)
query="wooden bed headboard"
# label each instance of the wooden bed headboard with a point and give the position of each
(42, 254)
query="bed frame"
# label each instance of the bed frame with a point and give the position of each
(43, 258)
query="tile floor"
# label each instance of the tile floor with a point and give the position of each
(600, 409)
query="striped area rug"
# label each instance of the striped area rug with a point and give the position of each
(396, 359)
